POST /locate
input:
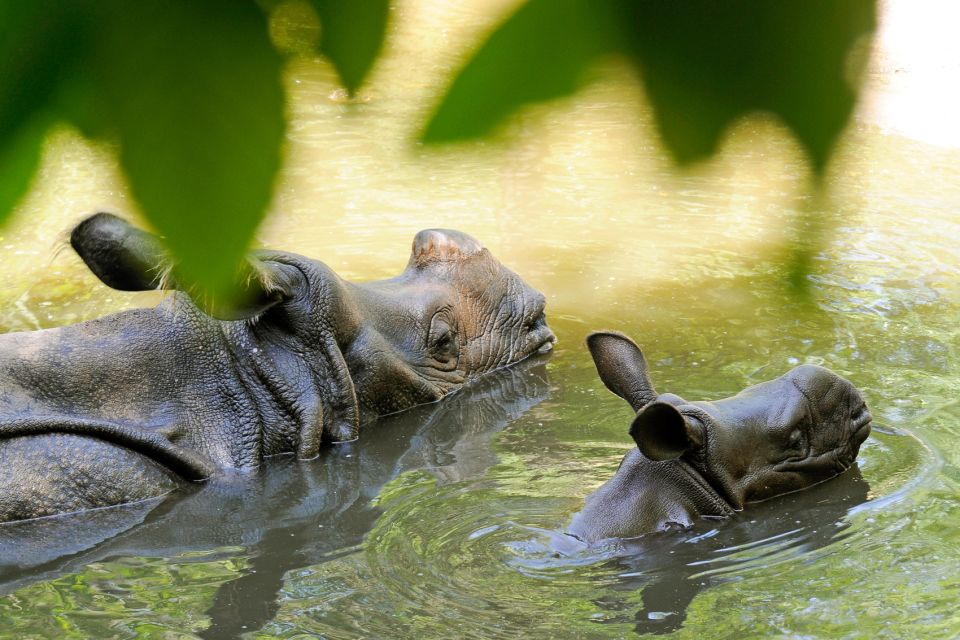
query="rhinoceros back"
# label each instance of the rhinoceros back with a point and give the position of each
(112, 410)
(61, 473)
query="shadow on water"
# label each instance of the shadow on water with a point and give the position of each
(779, 530)
(670, 569)
(290, 514)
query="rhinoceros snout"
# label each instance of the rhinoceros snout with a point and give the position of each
(826, 389)
(546, 339)
(860, 421)
(840, 409)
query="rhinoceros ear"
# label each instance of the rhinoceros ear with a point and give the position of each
(622, 367)
(443, 245)
(130, 259)
(259, 286)
(663, 433)
(122, 256)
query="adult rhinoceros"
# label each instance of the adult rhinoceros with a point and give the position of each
(114, 410)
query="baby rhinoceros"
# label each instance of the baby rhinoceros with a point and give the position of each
(117, 409)
(698, 459)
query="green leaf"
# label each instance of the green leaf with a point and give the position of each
(39, 45)
(19, 159)
(194, 91)
(352, 36)
(539, 53)
(706, 63)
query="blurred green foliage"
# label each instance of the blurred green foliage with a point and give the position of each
(191, 92)
(352, 36)
(704, 65)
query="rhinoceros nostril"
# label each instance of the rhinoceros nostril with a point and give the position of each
(860, 415)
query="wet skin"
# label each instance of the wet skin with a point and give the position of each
(696, 459)
(291, 514)
(125, 407)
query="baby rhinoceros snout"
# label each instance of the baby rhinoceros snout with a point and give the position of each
(833, 399)
(838, 411)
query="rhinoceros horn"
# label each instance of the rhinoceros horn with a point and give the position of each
(442, 245)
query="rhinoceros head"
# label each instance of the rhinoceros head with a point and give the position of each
(772, 438)
(454, 313)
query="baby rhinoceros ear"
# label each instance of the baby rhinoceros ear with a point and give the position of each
(443, 245)
(622, 367)
(663, 433)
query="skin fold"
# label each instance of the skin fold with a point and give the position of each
(125, 407)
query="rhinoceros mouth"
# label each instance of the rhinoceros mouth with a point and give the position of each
(861, 421)
(541, 342)
(146, 442)
(828, 464)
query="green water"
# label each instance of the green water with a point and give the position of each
(442, 523)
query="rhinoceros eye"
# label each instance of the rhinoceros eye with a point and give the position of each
(442, 341)
(794, 440)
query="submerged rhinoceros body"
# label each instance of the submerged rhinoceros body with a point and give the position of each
(696, 459)
(115, 409)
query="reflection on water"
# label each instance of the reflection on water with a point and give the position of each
(669, 570)
(291, 515)
(583, 204)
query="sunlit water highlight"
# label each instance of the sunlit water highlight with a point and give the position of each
(449, 522)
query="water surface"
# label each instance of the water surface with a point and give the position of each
(443, 522)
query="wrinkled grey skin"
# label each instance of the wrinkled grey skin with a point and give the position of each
(121, 408)
(696, 459)
(288, 515)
